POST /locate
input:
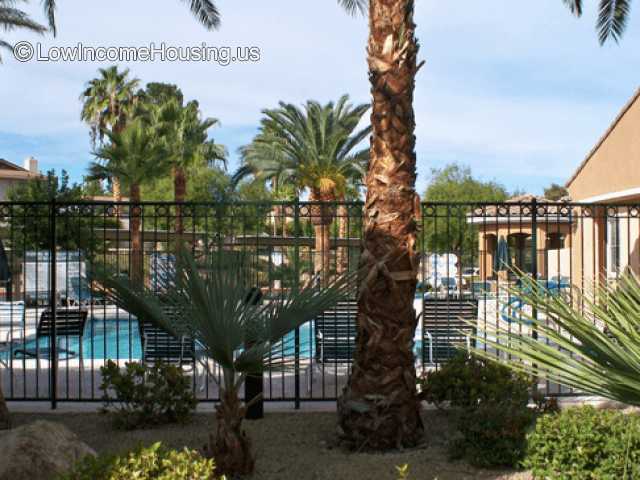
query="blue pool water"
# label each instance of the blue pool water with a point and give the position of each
(118, 338)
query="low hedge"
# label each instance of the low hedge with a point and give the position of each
(150, 463)
(585, 444)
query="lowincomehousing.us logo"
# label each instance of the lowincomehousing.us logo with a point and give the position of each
(161, 52)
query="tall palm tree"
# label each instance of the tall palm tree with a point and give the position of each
(136, 156)
(109, 102)
(313, 148)
(12, 18)
(188, 144)
(379, 408)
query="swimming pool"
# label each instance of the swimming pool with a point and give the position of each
(108, 335)
(118, 338)
(104, 338)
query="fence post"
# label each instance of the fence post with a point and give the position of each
(296, 265)
(534, 274)
(534, 251)
(53, 343)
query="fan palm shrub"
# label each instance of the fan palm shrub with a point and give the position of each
(588, 341)
(211, 303)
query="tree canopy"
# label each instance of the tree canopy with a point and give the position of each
(445, 227)
(456, 183)
(555, 192)
(29, 225)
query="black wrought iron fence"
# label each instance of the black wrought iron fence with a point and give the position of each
(50, 351)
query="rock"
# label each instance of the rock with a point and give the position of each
(40, 450)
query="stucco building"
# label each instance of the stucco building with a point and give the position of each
(592, 237)
(609, 180)
(513, 224)
(11, 174)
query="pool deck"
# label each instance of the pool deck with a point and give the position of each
(78, 383)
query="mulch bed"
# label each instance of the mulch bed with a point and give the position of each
(290, 446)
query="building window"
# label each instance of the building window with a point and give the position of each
(521, 251)
(555, 241)
(613, 246)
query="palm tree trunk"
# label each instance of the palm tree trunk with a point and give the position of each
(322, 253)
(5, 418)
(115, 181)
(230, 446)
(137, 267)
(116, 193)
(180, 193)
(321, 217)
(284, 221)
(342, 253)
(117, 189)
(379, 408)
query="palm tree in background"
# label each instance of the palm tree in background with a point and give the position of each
(187, 143)
(109, 102)
(134, 155)
(314, 148)
(12, 18)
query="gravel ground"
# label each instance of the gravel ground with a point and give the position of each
(290, 446)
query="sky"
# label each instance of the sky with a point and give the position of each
(519, 91)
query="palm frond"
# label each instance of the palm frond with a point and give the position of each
(12, 19)
(575, 6)
(50, 12)
(354, 6)
(206, 12)
(612, 19)
(586, 341)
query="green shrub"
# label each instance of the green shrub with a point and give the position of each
(469, 381)
(489, 403)
(141, 396)
(151, 463)
(585, 443)
(492, 435)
